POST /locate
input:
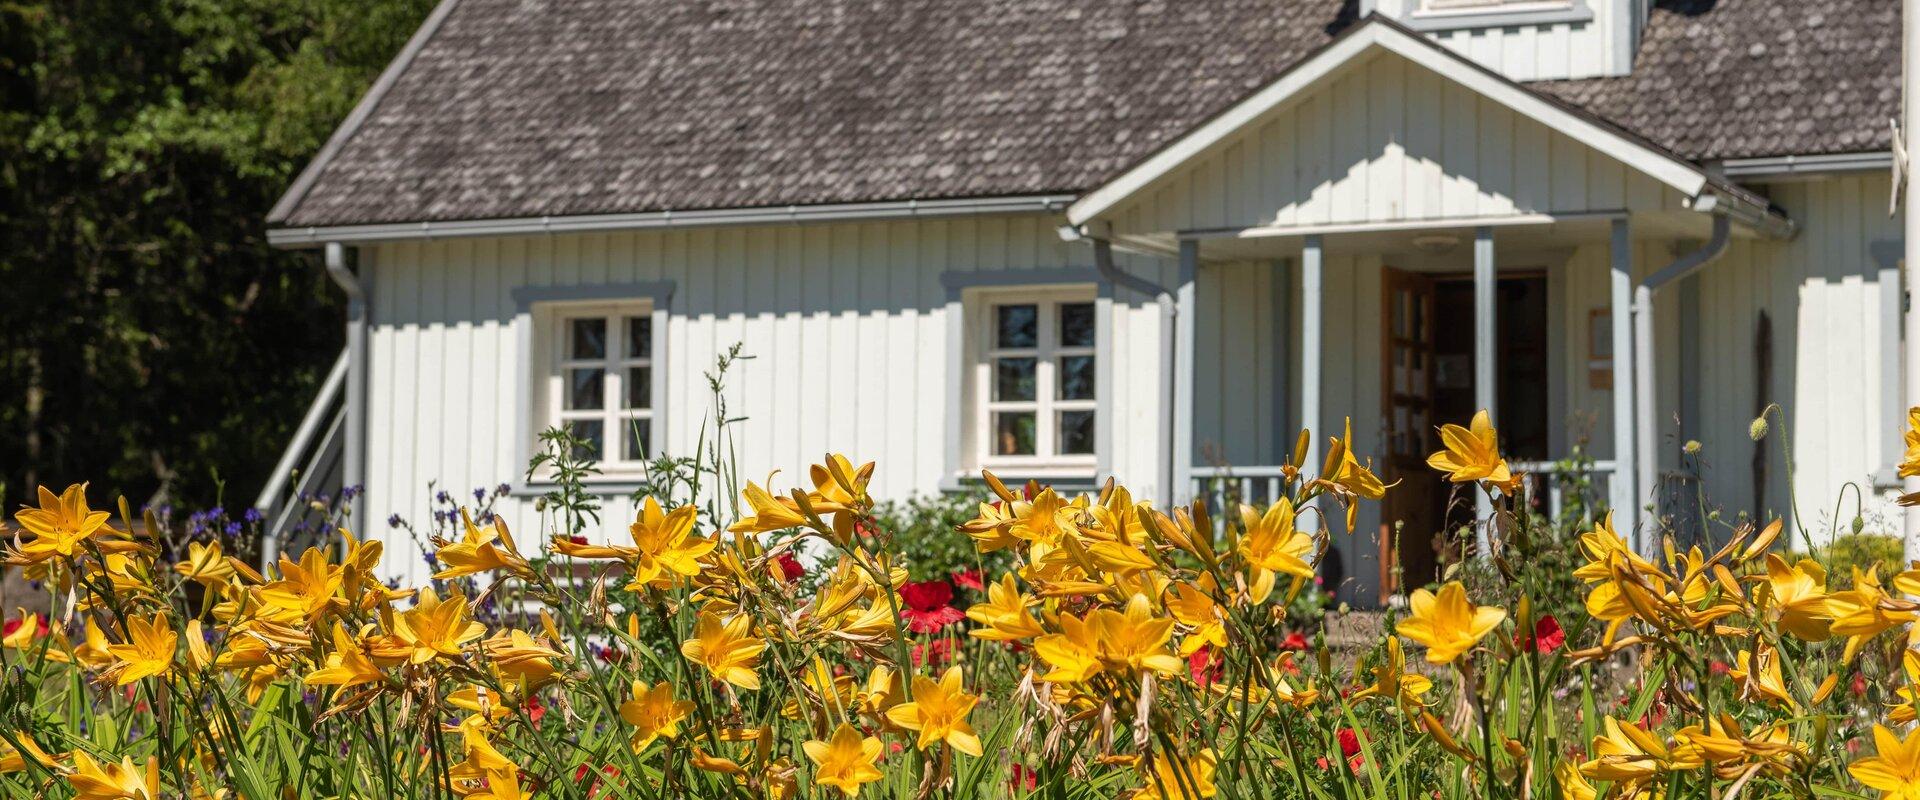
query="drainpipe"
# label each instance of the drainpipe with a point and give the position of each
(1648, 467)
(1169, 312)
(354, 473)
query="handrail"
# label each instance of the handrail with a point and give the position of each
(1239, 472)
(331, 391)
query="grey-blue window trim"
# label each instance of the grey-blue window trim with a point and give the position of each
(526, 299)
(958, 283)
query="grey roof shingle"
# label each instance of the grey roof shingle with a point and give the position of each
(517, 108)
(1744, 78)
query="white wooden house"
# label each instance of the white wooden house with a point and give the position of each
(1151, 240)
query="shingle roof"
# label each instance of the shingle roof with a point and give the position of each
(1744, 78)
(516, 108)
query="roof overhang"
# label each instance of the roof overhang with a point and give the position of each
(1377, 33)
(654, 220)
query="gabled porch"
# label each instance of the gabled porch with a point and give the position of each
(1392, 233)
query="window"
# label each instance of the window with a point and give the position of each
(1035, 380)
(1491, 5)
(602, 381)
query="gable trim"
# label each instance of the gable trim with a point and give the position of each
(1377, 32)
(361, 112)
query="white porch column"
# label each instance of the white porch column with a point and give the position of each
(1626, 509)
(1312, 266)
(1486, 372)
(1910, 122)
(1183, 355)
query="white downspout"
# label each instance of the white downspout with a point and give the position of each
(1647, 468)
(1169, 315)
(354, 472)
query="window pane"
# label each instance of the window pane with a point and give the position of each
(583, 388)
(639, 387)
(639, 337)
(1076, 432)
(1013, 378)
(1076, 378)
(1013, 433)
(1017, 326)
(588, 432)
(1076, 325)
(638, 436)
(589, 338)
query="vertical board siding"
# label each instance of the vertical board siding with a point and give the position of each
(844, 323)
(1387, 140)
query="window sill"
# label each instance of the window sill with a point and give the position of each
(1063, 479)
(613, 486)
(1500, 17)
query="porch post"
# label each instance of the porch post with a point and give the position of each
(1486, 374)
(1312, 264)
(1183, 356)
(1624, 494)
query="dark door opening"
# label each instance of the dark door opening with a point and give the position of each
(1430, 336)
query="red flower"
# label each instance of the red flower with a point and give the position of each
(970, 579)
(1349, 741)
(1294, 641)
(535, 709)
(939, 651)
(790, 567)
(1204, 671)
(581, 774)
(1023, 779)
(927, 608)
(1717, 667)
(1547, 636)
(577, 540)
(1859, 686)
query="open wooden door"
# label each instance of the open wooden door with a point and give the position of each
(1411, 517)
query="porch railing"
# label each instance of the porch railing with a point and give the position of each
(1549, 482)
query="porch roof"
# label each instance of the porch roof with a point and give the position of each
(1375, 35)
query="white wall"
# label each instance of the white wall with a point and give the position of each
(1602, 45)
(1388, 141)
(846, 324)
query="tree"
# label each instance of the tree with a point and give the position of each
(153, 343)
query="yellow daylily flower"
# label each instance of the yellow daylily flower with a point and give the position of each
(59, 526)
(12, 760)
(1861, 613)
(205, 565)
(307, 590)
(481, 550)
(1448, 624)
(1193, 606)
(1005, 613)
(1894, 768)
(149, 651)
(347, 665)
(1759, 678)
(92, 780)
(1273, 544)
(846, 761)
(435, 628)
(27, 630)
(1349, 479)
(653, 713)
(769, 513)
(1796, 595)
(1106, 639)
(1573, 785)
(1177, 778)
(1626, 753)
(1471, 454)
(1391, 680)
(939, 713)
(726, 648)
(667, 549)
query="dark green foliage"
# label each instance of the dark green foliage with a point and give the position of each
(924, 529)
(151, 334)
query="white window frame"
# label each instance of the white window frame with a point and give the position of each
(1490, 6)
(555, 326)
(1045, 406)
